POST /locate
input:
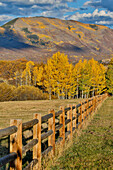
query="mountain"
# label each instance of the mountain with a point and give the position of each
(37, 38)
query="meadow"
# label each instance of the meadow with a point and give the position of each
(25, 109)
(93, 149)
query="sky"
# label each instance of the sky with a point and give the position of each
(86, 11)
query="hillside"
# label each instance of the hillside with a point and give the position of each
(37, 38)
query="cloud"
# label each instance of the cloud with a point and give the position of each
(97, 17)
(29, 7)
(26, 2)
(2, 4)
(52, 8)
(107, 4)
(5, 18)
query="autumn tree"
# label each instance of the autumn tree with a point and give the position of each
(27, 74)
(109, 77)
(56, 72)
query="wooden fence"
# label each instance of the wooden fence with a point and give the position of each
(59, 126)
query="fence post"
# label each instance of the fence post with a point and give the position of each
(16, 144)
(93, 103)
(81, 115)
(91, 106)
(87, 108)
(69, 125)
(35, 136)
(83, 112)
(62, 121)
(90, 103)
(74, 115)
(38, 116)
(78, 112)
(102, 97)
(97, 101)
(53, 144)
(50, 127)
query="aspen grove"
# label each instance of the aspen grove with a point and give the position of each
(64, 80)
(57, 79)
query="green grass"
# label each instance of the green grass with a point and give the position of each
(94, 148)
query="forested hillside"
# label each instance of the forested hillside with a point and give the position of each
(37, 38)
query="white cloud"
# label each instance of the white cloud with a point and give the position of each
(5, 17)
(104, 22)
(37, 1)
(52, 8)
(107, 4)
(97, 17)
(2, 4)
(34, 6)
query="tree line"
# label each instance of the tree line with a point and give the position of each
(62, 79)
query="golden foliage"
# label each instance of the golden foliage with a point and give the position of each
(29, 93)
(6, 92)
(11, 93)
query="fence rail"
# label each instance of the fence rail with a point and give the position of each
(59, 126)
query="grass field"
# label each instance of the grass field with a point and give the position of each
(25, 109)
(93, 149)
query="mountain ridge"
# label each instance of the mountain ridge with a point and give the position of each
(37, 38)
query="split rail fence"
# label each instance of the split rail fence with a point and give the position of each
(59, 126)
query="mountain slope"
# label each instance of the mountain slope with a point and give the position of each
(37, 38)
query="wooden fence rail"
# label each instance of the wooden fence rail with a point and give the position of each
(59, 126)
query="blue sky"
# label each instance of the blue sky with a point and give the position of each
(86, 11)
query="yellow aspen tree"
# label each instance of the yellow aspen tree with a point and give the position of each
(84, 82)
(77, 75)
(35, 74)
(94, 75)
(61, 70)
(25, 77)
(18, 77)
(109, 77)
(55, 73)
(97, 76)
(28, 73)
(48, 78)
(40, 76)
(70, 82)
(29, 68)
(102, 80)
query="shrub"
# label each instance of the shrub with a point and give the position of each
(42, 42)
(6, 92)
(26, 30)
(33, 36)
(94, 26)
(69, 27)
(79, 35)
(29, 93)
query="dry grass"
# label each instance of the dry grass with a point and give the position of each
(25, 109)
